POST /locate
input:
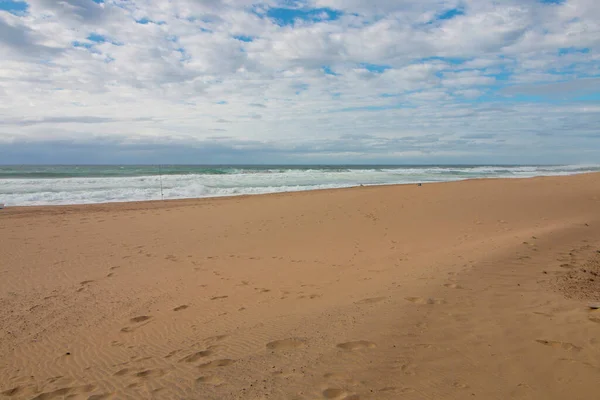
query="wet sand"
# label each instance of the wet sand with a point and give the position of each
(474, 289)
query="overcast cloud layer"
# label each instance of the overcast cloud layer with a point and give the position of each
(315, 81)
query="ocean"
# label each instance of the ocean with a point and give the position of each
(29, 185)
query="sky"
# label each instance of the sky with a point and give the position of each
(299, 81)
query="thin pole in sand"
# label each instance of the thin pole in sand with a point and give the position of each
(162, 197)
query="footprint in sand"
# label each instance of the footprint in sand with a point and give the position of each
(522, 390)
(567, 266)
(423, 346)
(341, 394)
(180, 308)
(12, 392)
(171, 354)
(219, 297)
(542, 314)
(214, 339)
(334, 393)
(358, 345)
(559, 345)
(210, 380)
(196, 356)
(63, 392)
(141, 318)
(150, 373)
(59, 393)
(371, 300)
(408, 369)
(122, 372)
(420, 300)
(59, 379)
(312, 296)
(595, 319)
(216, 364)
(396, 389)
(453, 286)
(286, 344)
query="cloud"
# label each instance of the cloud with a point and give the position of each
(569, 89)
(83, 11)
(301, 81)
(66, 120)
(17, 39)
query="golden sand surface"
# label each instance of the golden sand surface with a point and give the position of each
(475, 289)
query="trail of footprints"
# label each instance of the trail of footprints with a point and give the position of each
(570, 261)
(201, 360)
(208, 369)
(295, 344)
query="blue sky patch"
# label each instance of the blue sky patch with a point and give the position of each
(92, 40)
(94, 37)
(572, 50)
(288, 16)
(504, 75)
(184, 55)
(82, 44)
(329, 71)
(449, 14)
(243, 38)
(376, 68)
(146, 21)
(14, 7)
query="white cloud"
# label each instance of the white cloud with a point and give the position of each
(180, 73)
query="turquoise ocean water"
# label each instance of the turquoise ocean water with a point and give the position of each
(47, 185)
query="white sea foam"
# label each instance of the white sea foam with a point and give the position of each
(82, 190)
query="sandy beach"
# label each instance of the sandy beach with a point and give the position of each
(475, 289)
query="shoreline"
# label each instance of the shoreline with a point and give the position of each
(471, 288)
(243, 196)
